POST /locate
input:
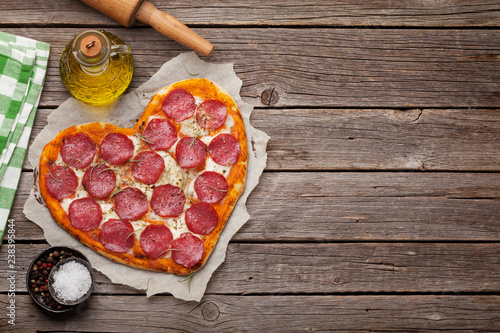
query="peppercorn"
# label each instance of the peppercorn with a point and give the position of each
(40, 273)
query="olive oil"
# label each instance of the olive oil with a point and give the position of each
(96, 67)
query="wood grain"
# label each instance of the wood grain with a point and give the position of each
(404, 13)
(323, 67)
(379, 208)
(328, 268)
(362, 206)
(415, 139)
(364, 139)
(227, 313)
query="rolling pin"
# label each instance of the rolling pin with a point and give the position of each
(126, 12)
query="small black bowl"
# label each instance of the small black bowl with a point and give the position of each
(54, 271)
(37, 298)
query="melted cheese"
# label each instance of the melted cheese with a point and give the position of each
(173, 174)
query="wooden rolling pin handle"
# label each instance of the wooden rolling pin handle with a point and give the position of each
(171, 27)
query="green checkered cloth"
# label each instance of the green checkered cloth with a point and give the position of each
(23, 65)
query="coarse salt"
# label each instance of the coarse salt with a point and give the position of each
(71, 281)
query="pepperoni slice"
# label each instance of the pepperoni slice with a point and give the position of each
(224, 149)
(210, 187)
(160, 134)
(201, 218)
(61, 182)
(168, 201)
(78, 150)
(99, 181)
(156, 240)
(189, 250)
(211, 114)
(190, 152)
(131, 204)
(117, 148)
(179, 105)
(85, 214)
(147, 167)
(117, 235)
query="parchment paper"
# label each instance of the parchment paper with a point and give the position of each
(124, 112)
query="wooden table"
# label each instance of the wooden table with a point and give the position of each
(379, 209)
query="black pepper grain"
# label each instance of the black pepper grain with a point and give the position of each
(39, 277)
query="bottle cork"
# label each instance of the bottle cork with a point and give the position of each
(91, 46)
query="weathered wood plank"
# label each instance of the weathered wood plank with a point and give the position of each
(345, 206)
(405, 13)
(266, 314)
(361, 230)
(329, 268)
(354, 139)
(414, 139)
(324, 67)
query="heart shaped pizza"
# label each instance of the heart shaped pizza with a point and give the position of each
(155, 196)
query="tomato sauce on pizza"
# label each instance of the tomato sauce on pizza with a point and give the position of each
(158, 195)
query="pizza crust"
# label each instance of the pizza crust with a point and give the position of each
(201, 88)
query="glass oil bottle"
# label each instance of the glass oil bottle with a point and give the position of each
(96, 67)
